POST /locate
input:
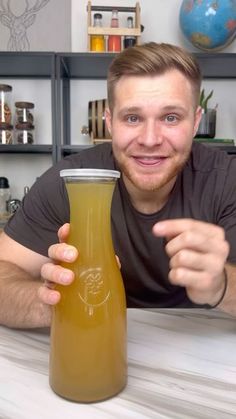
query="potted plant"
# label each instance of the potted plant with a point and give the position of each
(207, 126)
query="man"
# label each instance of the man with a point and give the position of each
(173, 210)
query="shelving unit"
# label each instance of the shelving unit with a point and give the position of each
(26, 148)
(31, 65)
(61, 68)
(87, 66)
(136, 31)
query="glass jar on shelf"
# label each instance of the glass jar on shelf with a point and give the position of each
(24, 133)
(5, 104)
(24, 113)
(6, 133)
(24, 122)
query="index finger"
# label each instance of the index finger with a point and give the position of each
(174, 227)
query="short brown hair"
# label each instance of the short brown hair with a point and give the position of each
(151, 59)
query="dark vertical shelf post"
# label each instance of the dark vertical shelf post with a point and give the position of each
(53, 106)
(62, 105)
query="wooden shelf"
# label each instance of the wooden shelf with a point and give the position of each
(114, 31)
(106, 31)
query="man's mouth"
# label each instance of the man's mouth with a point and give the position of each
(149, 160)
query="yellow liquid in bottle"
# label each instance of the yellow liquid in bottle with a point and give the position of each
(97, 43)
(88, 334)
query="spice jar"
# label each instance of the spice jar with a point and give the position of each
(24, 113)
(5, 104)
(24, 123)
(24, 134)
(6, 133)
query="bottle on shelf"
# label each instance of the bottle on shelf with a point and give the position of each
(129, 40)
(5, 195)
(97, 41)
(114, 41)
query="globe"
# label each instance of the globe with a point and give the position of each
(209, 25)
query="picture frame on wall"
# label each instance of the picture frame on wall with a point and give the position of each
(35, 25)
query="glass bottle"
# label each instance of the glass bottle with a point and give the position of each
(114, 41)
(5, 195)
(129, 40)
(97, 41)
(88, 333)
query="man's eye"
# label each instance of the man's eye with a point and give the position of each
(171, 118)
(132, 119)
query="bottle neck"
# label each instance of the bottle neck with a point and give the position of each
(90, 206)
(114, 20)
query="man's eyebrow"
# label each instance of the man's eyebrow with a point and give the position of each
(129, 109)
(167, 108)
(171, 108)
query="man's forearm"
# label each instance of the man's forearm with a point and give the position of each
(228, 304)
(20, 306)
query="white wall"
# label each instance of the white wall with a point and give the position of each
(160, 19)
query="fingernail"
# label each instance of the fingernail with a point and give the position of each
(65, 277)
(159, 227)
(69, 254)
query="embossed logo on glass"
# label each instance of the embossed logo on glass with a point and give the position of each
(92, 289)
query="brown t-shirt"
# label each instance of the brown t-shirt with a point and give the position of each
(204, 190)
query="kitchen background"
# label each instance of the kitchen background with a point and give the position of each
(161, 22)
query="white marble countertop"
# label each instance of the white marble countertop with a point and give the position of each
(182, 364)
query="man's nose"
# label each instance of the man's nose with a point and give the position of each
(151, 134)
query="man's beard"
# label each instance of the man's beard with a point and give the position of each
(148, 182)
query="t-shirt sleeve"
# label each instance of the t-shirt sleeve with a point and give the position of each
(44, 209)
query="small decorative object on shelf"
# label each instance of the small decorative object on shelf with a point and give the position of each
(208, 25)
(96, 121)
(207, 126)
(97, 41)
(114, 35)
(114, 41)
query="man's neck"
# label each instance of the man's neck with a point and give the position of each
(149, 202)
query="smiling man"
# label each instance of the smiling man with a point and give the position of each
(173, 210)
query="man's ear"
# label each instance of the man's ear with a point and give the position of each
(198, 115)
(108, 120)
